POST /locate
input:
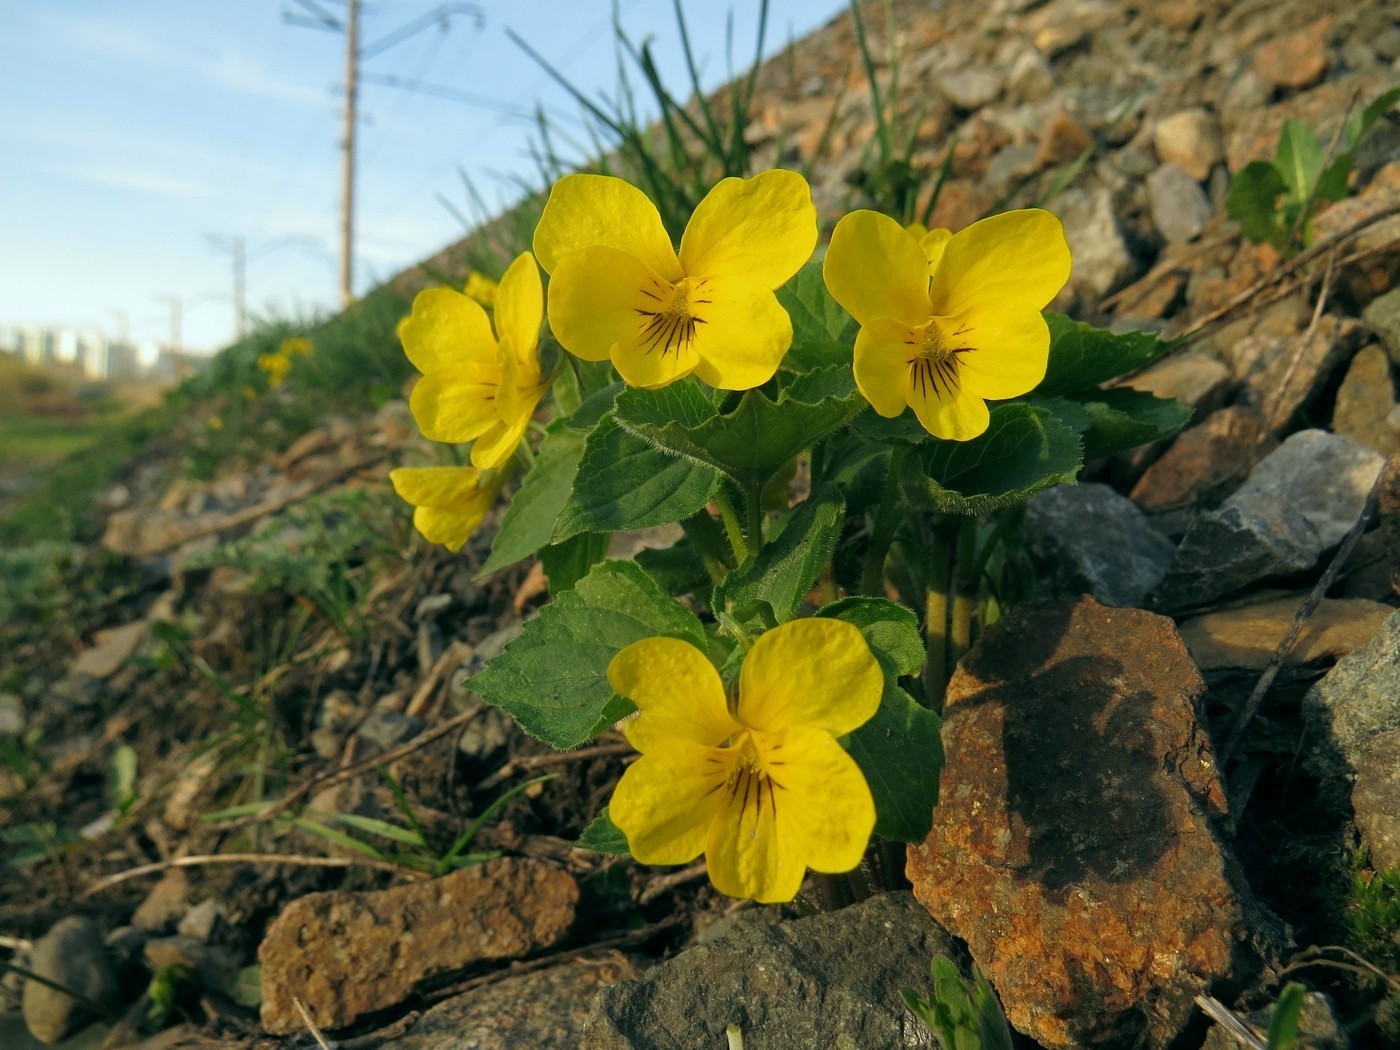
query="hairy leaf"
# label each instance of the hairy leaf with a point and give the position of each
(528, 524)
(1082, 356)
(822, 333)
(780, 575)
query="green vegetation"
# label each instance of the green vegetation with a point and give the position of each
(962, 1016)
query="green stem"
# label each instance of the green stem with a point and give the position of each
(704, 536)
(936, 606)
(731, 525)
(887, 516)
(965, 582)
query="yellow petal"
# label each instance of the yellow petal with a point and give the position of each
(873, 268)
(881, 365)
(498, 444)
(435, 486)
(825, 811)
(1011, 351)
(596, 300)
(456, 405)
(815, 672)
(450, 528)
(743, 333)
(676, 689)
(933, 242)
(520, 307)
(952, 412)
(446, 329)
(587, 210)
(667, 800)
(760, 229)
(746, 853)
(1016, 259)
(649, 365)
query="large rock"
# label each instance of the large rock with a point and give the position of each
(1300, 501)
(1087, 539)
(542, 1009)
(1102, 258)
(1073, 845)
(1366, 408)
(831, 980)
(1357, 709)
(349, 954)
(1204, 462)
(71, 954)
(1248, 636)
(1180, 208)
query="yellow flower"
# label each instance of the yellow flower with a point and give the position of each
(619, 290)
(761, 787)
(481, 288)
(448, 502)
(476, 387)
(276, 366)
(948, 320)
(296, 346)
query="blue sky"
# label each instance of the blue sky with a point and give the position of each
(136, 136)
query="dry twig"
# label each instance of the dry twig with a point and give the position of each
(292, 859)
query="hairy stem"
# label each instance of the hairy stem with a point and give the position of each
(872, 576)
(731, 525)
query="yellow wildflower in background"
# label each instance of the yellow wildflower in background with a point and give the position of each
(478, 385)
(296, 346)
(619, 291)
(276, 366)
(948, 320)
(761, 787)
(481, 288)
(448, 502)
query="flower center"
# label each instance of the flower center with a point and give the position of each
(751, 781)
(933, 362)
(668, 321)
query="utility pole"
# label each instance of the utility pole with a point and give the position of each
(347, 154)
(240, 289)
(312, 14)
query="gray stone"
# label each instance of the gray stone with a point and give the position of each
(71, 954)
(1318, 1027)
(166, 904)
(1090, 540)
(1383, 315)
(386, 730)
(1300, 501)
(1366, 402)
(1030, 79)
(1180, 208)
(831, 980)
(1102, 260)
(1357, 708)
(970, 88)
(1189, 139)
(110, 651)
(200, 921)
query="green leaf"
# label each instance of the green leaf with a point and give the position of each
(568, 562)
(1288, 1010)
(822, 333)
(1025, 449)
(890, 629)
(625, 482)
(1361, 122)
(901, 754)
(594, 407)
(1121, 418)
(1253, 203)
(899, 750)
(1298, 158)
(779, 577)
(553, 679)
(1332, 183)
(528, 524)
(753, 440)
(603, 836)
(1083, 356)
(678, 568)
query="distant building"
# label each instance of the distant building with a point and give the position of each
(38, 346)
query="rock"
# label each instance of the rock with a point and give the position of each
(1192, 379)
(1246, 637)
(386, 730)
(1318, 1027)
(1294, 61)
(1180, 209)
(1190, 139)
(201, 920)
(1063, 140)
(70, 954)
(12, 716)
(1300, 501)
(1383, 315)
(1204, 462)
(1356, 708)
(213, 966)
(166, 904)
(110, 650)
(542, 1009)
(970, 88)
(1366, 405)
(1281, 375)
(832, 980)
(1087, 539)
(1030, 79)
(1101, 257)
(1178, 14)
(1094, 929)
(349, 954)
